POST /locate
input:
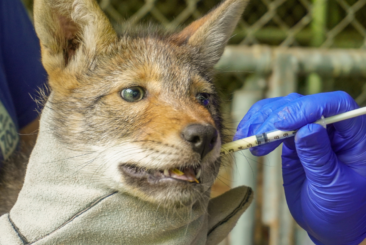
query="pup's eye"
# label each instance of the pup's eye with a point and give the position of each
(203, 98)
(133, 94)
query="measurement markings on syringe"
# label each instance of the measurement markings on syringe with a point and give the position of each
(264, 138)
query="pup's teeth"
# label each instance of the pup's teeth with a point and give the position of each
(198, 175)
(177, 172)
(166, 172)
(187, 175)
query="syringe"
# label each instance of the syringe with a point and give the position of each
(272, 136)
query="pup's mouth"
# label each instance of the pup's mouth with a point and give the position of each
(187, 174)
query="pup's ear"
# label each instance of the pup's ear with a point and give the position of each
(211, 32)
(72, 34)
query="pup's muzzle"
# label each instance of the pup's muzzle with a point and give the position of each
(202, 138)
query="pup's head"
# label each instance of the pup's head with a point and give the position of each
(144, 103)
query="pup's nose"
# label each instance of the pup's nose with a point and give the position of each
(202, 138)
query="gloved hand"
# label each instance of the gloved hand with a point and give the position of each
(324, 170)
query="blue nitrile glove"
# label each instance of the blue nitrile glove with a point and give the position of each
(324, 170)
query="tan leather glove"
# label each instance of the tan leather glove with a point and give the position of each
(61, 204)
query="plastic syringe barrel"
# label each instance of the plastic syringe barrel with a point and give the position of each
(255, 140)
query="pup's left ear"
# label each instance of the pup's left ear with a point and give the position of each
(72, 33)
(211, 33)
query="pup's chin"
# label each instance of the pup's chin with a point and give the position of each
(181, 186)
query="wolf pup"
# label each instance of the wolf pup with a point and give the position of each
(130, 135)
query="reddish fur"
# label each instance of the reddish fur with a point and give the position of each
(89, 66)
(183, 36)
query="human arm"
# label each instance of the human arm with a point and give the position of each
(24, 73)
(324, 170)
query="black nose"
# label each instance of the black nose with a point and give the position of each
(202, 138)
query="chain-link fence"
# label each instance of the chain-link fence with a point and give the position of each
(333, 23)
(285, 23)
(325, 24)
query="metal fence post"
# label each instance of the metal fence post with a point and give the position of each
(245, 167)
(275, 210)
(318, 26)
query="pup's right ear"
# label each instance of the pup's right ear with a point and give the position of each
(72, 34)
(211, 32)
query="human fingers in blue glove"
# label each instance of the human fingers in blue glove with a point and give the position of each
(324, 170)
